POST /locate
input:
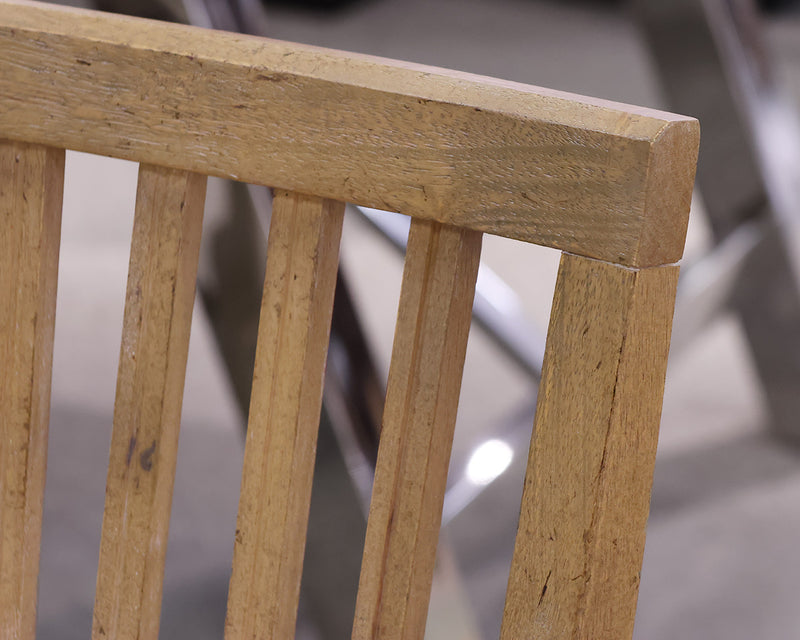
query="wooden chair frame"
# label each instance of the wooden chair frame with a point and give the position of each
(608, 184)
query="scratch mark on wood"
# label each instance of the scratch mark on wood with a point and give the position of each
(131, 447)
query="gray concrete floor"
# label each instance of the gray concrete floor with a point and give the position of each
(721, 558)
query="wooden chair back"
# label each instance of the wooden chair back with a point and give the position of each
(608, 184)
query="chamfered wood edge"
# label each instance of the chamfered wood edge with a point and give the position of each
(668, 197)
(634, 235)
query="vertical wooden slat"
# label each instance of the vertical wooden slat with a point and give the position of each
(155, 342)
(418, 421)
(294, 327)
(575, 571)
(31, 188)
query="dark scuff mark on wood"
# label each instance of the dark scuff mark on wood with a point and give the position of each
(146, 459)
(131, 447)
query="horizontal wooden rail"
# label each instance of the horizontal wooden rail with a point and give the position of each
(596, 178)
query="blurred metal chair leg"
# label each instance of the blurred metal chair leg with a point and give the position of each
(713, 65)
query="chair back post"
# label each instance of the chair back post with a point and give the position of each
(578, 554)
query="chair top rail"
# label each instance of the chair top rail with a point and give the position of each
(588, 176)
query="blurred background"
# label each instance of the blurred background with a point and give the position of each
(721, 558)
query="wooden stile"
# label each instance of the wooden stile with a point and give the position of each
(286, 400)
(155, 343)
(575, 572)
(418, 421)
(31, 188)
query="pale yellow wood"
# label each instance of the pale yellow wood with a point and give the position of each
(31, 187)
(421, 402)
(589, 176)
(155, 343)
(575, 571)
(294, 328)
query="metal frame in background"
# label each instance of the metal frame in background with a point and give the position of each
(714, 65)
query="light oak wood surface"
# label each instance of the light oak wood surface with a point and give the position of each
(575, 571)
(461, 154)
(31, 188)
(419, 417)
(293, 333)
(579, 174)
(147, 411)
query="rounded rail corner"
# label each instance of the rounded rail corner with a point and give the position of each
(668, 194)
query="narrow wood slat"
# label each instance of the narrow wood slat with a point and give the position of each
(155, 342)
(588, 176)
(418, 421)
(31, 188)
(575, 571)
(294, 328)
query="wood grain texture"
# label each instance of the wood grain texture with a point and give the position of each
(302, 260)
(574, 173)
(147, 411)
(575, 571)
(31, 188)
(418, 421)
